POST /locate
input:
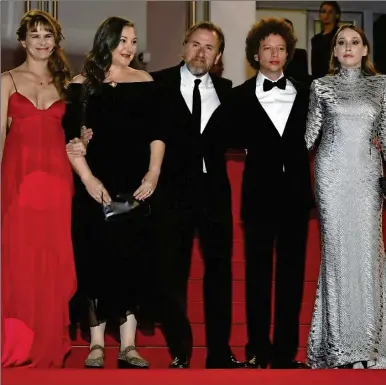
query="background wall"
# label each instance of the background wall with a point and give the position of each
(11, 13)
(79, 20)
(375, 6)
(370, 10)
(298, 18)
(161, 25)
(166, 23)
(235, 18)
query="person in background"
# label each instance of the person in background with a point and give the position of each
(297, 67)
(218, 68)
(321, 48)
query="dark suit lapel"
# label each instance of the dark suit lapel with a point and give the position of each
(251, 91)
(175, 88)
(296, 106)
(220, 87)
(183, 111)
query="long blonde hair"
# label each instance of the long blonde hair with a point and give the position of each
(367, 66)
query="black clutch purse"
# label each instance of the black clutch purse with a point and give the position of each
(125, 206)
(382, 182)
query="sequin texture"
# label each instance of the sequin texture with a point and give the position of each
(347, 112)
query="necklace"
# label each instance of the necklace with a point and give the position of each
(113, 84)
(42, 83)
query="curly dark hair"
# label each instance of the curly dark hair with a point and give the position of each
(264, 28)
(57, 62)
(99, 59)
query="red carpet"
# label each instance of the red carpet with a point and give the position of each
(148, 344)
(154, 350)
(193, 377)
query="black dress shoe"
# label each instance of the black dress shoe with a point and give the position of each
(289, 365)
(230, 362)
(347, 366)
(179, 363)
(254, 363)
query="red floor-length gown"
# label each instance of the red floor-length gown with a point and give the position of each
(38, 272)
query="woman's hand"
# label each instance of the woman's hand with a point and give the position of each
(149, 184)
(377, 144)
(96, 189)
(86, 135)
(76, 148)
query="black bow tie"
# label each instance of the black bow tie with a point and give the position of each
(268, 85)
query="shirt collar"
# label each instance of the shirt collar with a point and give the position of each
(187, 78)
(260, 79)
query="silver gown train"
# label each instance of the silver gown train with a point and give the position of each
(349, 321)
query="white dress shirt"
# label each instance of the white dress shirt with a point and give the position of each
(276, 102)
(209, 98)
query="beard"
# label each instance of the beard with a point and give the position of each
(197, 70)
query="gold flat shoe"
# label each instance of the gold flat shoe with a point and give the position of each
(125, 362)
(95, 363)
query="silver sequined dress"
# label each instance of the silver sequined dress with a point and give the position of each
(349, 321)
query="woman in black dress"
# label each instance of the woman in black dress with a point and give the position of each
(123, 157)
(329, 12)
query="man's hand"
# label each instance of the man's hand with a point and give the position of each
(377, 144)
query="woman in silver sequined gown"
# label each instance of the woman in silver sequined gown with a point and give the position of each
(348, 111)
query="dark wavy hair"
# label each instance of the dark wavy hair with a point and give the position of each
(99, 59)
(264, 28)
(336, 6)
(367, 66)
(57, 62)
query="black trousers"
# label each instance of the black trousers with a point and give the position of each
(195, 211)
(286, 228)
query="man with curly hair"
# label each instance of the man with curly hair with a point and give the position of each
(266, 116)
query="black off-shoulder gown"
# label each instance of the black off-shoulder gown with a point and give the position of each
(114, 260)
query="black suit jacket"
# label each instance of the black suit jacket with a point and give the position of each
(321, 53)
(245, 124)
(297, 68)
(185, 147)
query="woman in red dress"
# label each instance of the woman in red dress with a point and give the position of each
(38, 274)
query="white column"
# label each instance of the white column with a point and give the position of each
(202, 10)
(165, 44)
(368, 22)
(235, 18)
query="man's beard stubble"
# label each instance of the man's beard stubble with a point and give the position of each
(197, 71)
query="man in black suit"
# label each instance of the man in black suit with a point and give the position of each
(194, 198)
(267, 116)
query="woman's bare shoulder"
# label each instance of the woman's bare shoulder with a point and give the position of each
(141, 76)
(6, 81)
(6, 76)
(79, 79)
(15, 72)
